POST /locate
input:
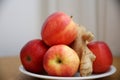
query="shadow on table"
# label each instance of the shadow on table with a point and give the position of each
(26, 77)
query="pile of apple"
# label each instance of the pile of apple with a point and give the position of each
(52, 54)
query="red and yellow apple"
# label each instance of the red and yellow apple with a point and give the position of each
(32, 54)
(61, 60)
(58, 28)
(103, 55)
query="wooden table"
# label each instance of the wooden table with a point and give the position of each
(9, 70)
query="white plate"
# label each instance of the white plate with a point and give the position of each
(76, 77)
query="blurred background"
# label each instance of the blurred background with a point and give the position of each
(21, 21)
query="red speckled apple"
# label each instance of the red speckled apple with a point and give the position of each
(103, 55)
(61, 60)
(58, 28)
(31, 55)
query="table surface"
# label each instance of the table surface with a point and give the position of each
(9, 70)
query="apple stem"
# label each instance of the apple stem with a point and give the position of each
(28, 58)
(71, 16)
(59, 61)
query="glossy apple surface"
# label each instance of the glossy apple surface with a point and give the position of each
(58, 28)
(60, 60)
(31, 56)
(103, 55)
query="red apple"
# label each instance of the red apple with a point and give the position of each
(31, 55)
(103, 55)
(61, 60)
(58, 28)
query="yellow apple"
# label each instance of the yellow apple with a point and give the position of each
(61, 60)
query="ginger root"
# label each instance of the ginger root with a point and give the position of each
(85, 55)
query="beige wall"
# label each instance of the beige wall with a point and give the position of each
(108, 24)
(21, 21)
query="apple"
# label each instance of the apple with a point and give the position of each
(31, 55)
(103, 55)
(61, 60)
(58, 28)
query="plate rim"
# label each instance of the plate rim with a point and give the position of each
(111, 71)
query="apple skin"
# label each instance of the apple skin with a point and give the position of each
(58, 28)
(32, 54)
(103, 55)
(61, 60)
